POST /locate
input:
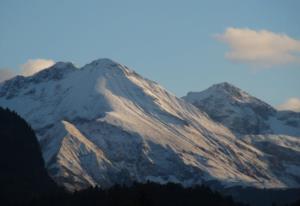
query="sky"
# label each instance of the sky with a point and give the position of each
(183, 45)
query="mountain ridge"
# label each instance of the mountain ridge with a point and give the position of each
(276, 133)
(238, 110)
(103, 124)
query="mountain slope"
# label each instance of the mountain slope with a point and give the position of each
(104, 124)
(275, 133)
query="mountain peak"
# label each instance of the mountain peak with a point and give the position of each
(225, 85)
(58, 67)
(55, 72)
(222, 90)
(231, 106)
(104, 62)
(105, 65)
(231, 90)
(62, 65)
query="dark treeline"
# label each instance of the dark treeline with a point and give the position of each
(22, 169)
(297, 203)
(263, 197)
(148, 194)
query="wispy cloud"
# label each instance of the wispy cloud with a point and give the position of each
(260, 48)
(33, 66)
(29, 68)
(292, 104)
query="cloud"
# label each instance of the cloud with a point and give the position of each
(29, 68)
(33, 66)
(292, 104)
(260, 48)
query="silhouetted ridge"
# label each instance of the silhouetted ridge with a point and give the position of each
(22, 174)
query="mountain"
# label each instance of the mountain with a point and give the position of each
(275, 133)
(23, 174)
(243, 113)
(103, 124)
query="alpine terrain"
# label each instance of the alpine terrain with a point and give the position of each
(104, 124)
(275, 133)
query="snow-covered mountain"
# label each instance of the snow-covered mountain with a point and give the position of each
(275, 133)
(243, 113)
(104, 124)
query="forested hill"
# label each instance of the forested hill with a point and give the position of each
(22, 174)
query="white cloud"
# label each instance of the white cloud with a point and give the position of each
(260, 48)
(35, 65)
(292, 104)
(6, 74)
(29, 68)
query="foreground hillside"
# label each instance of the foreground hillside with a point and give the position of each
(23, 174)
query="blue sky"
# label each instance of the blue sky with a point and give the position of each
(171, 42)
